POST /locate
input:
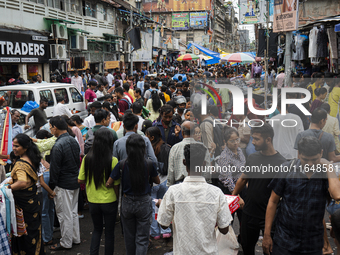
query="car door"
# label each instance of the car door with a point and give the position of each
(78, 103)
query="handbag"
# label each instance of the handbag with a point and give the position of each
(21, 226)
(226, 244)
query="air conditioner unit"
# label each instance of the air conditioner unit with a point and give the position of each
(59, 31)
(78, 42)
(58, 51)
(82, 41)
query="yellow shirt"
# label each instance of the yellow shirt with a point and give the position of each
(166, 97)
(333, 101)
(313, 86)
(102, 195)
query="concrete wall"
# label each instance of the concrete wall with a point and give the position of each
(316, 9)
(29, 15)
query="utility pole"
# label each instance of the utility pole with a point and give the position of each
(131, 27)
(288, 58)
(266, 52)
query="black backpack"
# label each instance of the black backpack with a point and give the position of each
(89, 142)
(163, 159)
(218, 137)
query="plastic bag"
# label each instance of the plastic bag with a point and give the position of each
(227, 244)
(29, 106)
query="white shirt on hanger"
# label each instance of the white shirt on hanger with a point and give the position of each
(313, 35)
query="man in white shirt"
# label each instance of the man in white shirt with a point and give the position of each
(109, 78)
(285, 132)
(89, 120)
(137, 109)
(77, 81)
(176, 170)
(194, 207)
(61, 108)
(100, 91)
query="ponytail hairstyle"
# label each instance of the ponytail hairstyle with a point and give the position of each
(156, 101)
(320, 91)
(135, 148)
(32, 151)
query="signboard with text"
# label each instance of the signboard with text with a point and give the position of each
(286, 15)
(23, 48)
(199, 20)
(180, 21)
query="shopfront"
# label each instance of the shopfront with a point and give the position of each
(25, 52)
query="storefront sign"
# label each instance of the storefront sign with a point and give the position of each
(198, 20)
(21, 48)
(286, 15)
(180, 21)
(40, 38)
(111, 64)
(155, 53)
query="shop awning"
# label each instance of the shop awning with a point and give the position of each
(337, 28)
(320, 21)
(61, 20)
(114, 36)
(101, 41)
(78, 30)
(120, 3)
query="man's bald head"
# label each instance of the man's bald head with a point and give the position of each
(187, 128)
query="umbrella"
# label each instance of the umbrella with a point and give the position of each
(186, 57)
(239, 57)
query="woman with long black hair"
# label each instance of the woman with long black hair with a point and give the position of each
(153, 105)
(162, 151)
(94, 171)
(135, 173)
(24, 189)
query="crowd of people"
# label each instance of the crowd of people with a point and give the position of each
(139, 148)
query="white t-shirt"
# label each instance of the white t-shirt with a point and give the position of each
(89, 121)
(99, 94)
(284, 141)
(61, 109)
(109, 78)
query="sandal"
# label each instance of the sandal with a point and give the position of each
(48, 243)
(58, 247)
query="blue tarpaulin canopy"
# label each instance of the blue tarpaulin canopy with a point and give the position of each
(337, 28)
(206, 51)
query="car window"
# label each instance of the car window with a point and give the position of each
(76, 96)
(62, 93)
(47, 94)
(15, 98)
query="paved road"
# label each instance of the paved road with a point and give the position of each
(158, 247)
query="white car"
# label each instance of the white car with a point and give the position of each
(16, 96)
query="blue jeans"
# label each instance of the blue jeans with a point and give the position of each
(108, 212)
(47, 216)
(136, 213)
(158, 192)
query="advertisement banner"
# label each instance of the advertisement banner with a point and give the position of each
(286, 15)
(175, 6)
(180, 21)
(111, 65)
(144, 54)
(199, 20)
(252, 11)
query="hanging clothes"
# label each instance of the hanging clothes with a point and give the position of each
(299, 54)
(332, 43)
(322, 41)
(313, 36)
